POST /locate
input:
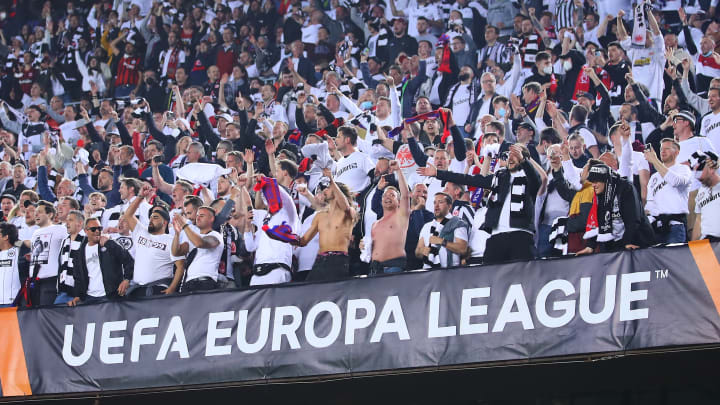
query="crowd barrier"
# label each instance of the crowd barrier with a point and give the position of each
(603, 303)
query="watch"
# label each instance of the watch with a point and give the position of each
(444, 243)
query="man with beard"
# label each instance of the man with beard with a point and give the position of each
(510, 218)
(620, 222)
(389, 233)
(443, 241)
(335, 228)
(204, 258)
(153, 257)
(107, 182)
(707, 202)
(617, 67)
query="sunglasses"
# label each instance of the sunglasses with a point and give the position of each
(95, 228)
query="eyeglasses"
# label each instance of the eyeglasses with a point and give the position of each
(95, 228)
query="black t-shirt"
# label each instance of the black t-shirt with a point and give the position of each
(617, 74)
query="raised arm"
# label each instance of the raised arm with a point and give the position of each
(129, 215)
(341, 202)
(404, 189)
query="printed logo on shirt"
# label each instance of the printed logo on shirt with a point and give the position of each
(41, 249)
(642, 61)
(346, 168)
(707, 200)
(712, 126)
(125, 242)
(6, 263)
(404, 157)
(656, 189)
(151, 243)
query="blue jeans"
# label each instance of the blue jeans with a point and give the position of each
(62, 299)
(543, 243)
(677, 234)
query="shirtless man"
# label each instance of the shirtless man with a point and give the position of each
(335, 227)
(388, 233)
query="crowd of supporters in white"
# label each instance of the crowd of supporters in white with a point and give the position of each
(160, 147)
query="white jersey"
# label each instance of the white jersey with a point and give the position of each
(9, 275)
(710, 128)
(153, 260)
(707, 204)
(206, 261)
(669, 194)
(45, 250)
(353, 170)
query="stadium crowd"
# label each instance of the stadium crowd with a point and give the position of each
(161, 147)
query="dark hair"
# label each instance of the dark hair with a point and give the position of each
(448, 198)
(158, 145)
(542, 56)
(131, 183)
(49, 207)
(74, 204)
(550, 135)
(500, 99)
(289, 166)
(348, 132)
(9, 230)
(193, 200)
(617, 45)
(578, 113)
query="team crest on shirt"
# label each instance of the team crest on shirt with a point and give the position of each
(11, 253)
(125, 242)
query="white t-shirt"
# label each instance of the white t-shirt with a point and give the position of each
(153, 260)
(478, 237)
(433, 227)
(460, 103)
(648, 65)
(669, 194)
(353, 170)
(504, 220)
(707, 204)
(96, 288)
(310, 34)
(588, 137)
(429, 11)
(45, 249)
(9, 275)
(710, 128)
(25, 231)
(206, 261)
(306, 254)
(125, 241)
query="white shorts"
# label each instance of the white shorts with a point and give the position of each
(275, 276)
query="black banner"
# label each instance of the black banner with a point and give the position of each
(600, 303)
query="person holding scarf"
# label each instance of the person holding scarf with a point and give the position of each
(616, 220)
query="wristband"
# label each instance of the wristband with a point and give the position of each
(184, 226)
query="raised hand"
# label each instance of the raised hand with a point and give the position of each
(429, 170)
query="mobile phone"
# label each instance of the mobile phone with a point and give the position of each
(157, 159)
(170, 115)
(648, 146)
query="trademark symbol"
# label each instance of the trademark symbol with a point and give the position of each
(660, 274)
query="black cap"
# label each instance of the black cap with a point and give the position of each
(599, 173)
(526, 125)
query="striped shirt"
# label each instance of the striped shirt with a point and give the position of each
(529, 48)
(68, 255)
(564, 14)
(498, 53)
